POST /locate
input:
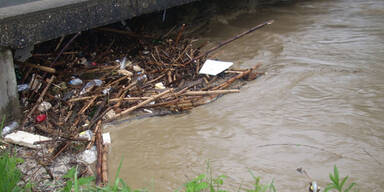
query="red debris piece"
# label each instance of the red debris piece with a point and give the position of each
(41, 118)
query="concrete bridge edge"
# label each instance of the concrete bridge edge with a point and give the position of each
(9, 102)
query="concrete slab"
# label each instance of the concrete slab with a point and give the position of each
(27, 22)
(9, 102)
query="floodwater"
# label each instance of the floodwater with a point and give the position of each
(320, 104)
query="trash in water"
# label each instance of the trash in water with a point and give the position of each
(89, 156)
(123, 63)
(137, 68)
(44, 106)
(86, 134)
(106, 138)
(125, 72)
(35, 82)
(76, 81)
(159, 86)
(22, 87)
(106, 91)
(41, 118)
(90, 85)
(110, 114)
(212, 67)
(25, 139)
(9, 128)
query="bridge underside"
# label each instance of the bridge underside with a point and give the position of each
(27, 22)
(24, 23)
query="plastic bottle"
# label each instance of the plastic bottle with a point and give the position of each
(9, 128)
(76, 81)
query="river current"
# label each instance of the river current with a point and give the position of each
(320, 104)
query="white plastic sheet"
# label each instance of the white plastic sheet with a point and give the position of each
(212, 67)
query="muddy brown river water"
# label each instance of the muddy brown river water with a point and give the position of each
(320, 104)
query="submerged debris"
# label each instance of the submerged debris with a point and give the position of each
(118, 79)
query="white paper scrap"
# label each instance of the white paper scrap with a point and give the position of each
(106, 138)
(212, 67)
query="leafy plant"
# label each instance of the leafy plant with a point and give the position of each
(337, 182)
(259, 187)
(10, 175)
(198, 184)
(86, 183)
(2, 124)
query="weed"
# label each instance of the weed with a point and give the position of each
(10, 175)
(337, 182)
(258, 187)
(2, 124)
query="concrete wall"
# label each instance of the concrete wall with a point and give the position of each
(34, 24)
(9, 103)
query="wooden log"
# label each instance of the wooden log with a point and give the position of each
(134, 99)
(83, 98)
(89, 104)
(231, 80)
(142, 104)
(41, 67)
(104, 165)
(99, 162)
(179, 34)
(229, 41)
(39, 100)
(189, 93)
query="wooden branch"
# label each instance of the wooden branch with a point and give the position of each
(88, 105)
(230, 81)
(41, 67)
(39, 100)
(179, 34)
(83, 98)
(125, 33)
(142, 104)
(230, 40)
(191, 93)
(99, 162)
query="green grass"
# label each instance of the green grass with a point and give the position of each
(337, 183)
(10, 175)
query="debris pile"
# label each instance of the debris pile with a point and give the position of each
(67, 96)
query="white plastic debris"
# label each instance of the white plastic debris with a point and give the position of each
(86, 134)
(106, 91)
(9, 128)
(90, 85)
(22, 87)
(44, 106)
(110, 114)
(147, 110)
(89, 156)
(145, 52)
(76, 81)
(212, 67)
(124, 72)
(25, 139)
(137, 68)
(123, 63)
(35, 83)
(106, 138)
(159, 86)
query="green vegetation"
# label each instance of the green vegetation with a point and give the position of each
(10, 175)
(338, 183)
